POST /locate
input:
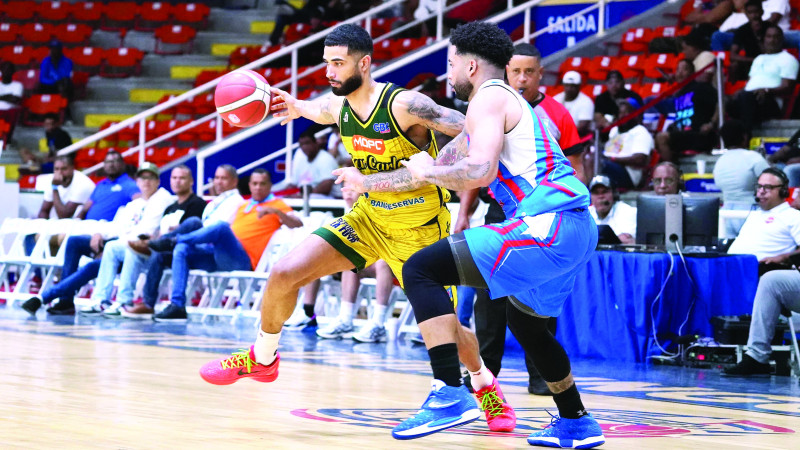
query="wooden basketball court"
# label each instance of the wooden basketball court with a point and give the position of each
(100, 383)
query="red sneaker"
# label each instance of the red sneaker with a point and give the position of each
(241, 364)
(500, 415)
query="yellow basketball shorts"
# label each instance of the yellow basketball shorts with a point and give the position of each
(363, 242)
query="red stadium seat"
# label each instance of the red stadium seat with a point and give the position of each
(129, 134)
(153, 15)
(383, 50)
(53, 11)
(19, 11)
(22, 56)
(206, 76)
(240, 56)
(734, 88)
(600, 66)
(37, 106)
(631, 66)
(88, 157)
(207, 131)
(9, 33)
(119, 16)
(89, 13)
(669, 31)
(122, 62)
(111, 139)
(552, 91)
(29, 79)
(5, 127)
(295, 32)
(131, 159)
(407, 45)
(381, 26)
(72, 34)
(174, 40)
(86, 59)
(39, 54)
(664, 61)
(165, 155)
(579, 64)
(650, 89)
(169, 111)
(194, 15)
(593, 90)
(203, 105)
(185, 107)
(27, 181)
(37, 33)
(79, 82)
(635, 40)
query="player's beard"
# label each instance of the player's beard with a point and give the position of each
(463, 89)
(348, 86)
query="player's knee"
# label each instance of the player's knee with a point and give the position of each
(415, 269)
(285, 274)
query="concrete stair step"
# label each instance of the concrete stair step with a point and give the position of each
(93, 114)
(101, 89)
(159, 66)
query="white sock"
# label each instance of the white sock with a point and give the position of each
(482, 378)
(266, 347)
(346, 312)
(379, 314)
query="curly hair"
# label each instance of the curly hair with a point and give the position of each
(355, 38)
(485, 40)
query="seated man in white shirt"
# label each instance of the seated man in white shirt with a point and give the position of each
(579, 105)
(606, 209)
(628, 149)
(69, 191)
(311, 167)
(772, 77)
(771, 233)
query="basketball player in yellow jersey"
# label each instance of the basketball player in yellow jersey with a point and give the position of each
(381, 126)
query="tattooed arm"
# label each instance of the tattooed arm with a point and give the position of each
(412, 108)
(324, 110)
(471, 159)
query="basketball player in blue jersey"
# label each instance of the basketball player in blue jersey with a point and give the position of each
(531, 257)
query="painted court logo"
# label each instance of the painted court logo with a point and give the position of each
(616, 424)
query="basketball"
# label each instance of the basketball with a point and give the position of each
(242, 98)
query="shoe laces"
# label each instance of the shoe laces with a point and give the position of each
(238, 359)
(492, 403)
(554, 420)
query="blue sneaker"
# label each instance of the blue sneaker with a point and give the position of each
(583, 432)
(445, 407)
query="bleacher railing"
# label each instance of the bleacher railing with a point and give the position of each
(220, 144)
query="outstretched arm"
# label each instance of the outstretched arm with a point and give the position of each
(413, 108)
(324, 110)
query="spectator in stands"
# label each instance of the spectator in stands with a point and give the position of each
(712, 12)
(10, 96)
(777, 290)
(147, 212)
(312, 10)
(788, 158)
(772, 232)
(56, 139)
(696, 49)
(605, 105)
(695, 107)
(136, 257)
(55, 72)
(772, 77)
(747, 40)
(628, 149)
(667, 178)
(776, 12)
(312, 168)
(220, 246)
(221, 209)
(736, 173)
(524, 72)
(31, 165)
(138, 216)
(606, 209)
(112, 192)
(69, 190)
(579, 105)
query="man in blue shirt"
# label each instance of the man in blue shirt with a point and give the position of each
(111, 193)
(55, 73)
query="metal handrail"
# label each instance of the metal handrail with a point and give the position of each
(141, 117)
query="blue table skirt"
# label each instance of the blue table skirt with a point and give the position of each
(608, 314)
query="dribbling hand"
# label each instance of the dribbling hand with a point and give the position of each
(353, 180)
(283, 105)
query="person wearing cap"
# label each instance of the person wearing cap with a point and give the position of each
(579, 105)
(696, 47)
(605, 105)
(139, 217)
(607, 210)
(696, 113)
(55, 72)
(628, 149)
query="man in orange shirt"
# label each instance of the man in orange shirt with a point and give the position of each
(223, 247)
